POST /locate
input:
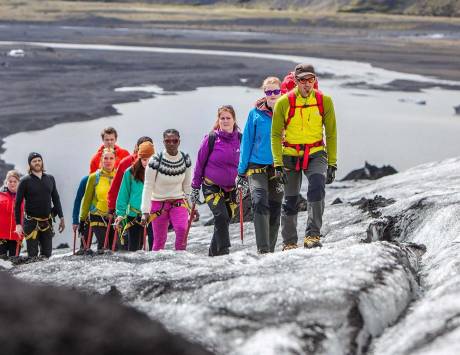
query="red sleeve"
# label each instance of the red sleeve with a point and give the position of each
(116, 182)
(95, 162)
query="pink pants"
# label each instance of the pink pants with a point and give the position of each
(178, 216)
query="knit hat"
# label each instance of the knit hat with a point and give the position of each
(32, 156)
(146, 150)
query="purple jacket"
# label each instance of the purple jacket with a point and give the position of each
(222, 163)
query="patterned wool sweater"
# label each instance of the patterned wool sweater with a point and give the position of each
(167, 177)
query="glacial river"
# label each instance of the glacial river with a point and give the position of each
(382, 127)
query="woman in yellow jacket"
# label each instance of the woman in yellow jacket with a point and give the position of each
(94, 207)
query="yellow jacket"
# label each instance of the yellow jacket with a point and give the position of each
(306, 126)
(95, 198)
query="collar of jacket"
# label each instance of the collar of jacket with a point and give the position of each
(261, 105)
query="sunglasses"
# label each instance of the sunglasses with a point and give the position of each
(171, 141)
(272, 92)
(309, 80)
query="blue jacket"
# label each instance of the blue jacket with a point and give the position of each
(78, 198)
(255, 144)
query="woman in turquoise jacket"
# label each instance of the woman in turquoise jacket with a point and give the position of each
(130, 197)
(256, 164)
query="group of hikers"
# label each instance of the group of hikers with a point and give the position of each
(130, 201)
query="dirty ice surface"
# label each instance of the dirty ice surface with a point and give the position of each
(352, 296)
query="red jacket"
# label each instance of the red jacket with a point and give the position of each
(120, 153)
(116, 182)
(7, 222)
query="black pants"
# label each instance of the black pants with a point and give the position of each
(150, 236)
(7, 247)
(135, 235)
(222, 212)
(43, 240)
(100, 232)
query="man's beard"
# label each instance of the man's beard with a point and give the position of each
(37, 168)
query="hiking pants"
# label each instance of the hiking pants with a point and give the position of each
(99, 232)
(177, 215)
(7, 247)
(44, 240)
(266, 205)
(316, 175)
(222, 212)
(135, 235)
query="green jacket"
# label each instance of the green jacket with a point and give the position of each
(130, 195)
(306, 127)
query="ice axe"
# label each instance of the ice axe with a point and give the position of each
(18, 246)
(89, 240)
(74, 240)
(144, 240)
(240, 192)
(106, 239)
(115, 237)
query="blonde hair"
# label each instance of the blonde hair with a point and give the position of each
(12, 173)
(107, 151)
(271, 80)
(230, 110)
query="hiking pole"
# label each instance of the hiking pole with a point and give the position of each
(115, 237)
(74, 240)
(240, 192)
(89, 239)
(18, 246)
(106, 239)
(144, 240)
(190, 220)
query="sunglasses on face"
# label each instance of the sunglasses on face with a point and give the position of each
(272, 92)
(309, 80)
(171, 141)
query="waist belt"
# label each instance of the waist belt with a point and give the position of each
(216, 196)
(100, 214)
(306, 152)
(41, 225)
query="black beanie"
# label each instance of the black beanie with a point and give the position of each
(34, 155)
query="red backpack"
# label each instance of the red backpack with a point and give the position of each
(288, 83)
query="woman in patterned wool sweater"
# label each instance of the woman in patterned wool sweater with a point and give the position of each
(166, 188)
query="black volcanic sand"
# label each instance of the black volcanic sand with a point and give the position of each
(51, 86)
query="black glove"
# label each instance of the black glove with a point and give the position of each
(330, 174)
(280, 175)
(195, 195)
(82, 228)
(241, 183)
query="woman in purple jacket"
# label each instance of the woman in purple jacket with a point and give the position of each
(215, 172)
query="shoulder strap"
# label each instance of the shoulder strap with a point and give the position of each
(211, 143)
(291, 97)
(319, 101)
(97, 177)
(240, 136)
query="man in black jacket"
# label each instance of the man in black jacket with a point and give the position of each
(38, 190)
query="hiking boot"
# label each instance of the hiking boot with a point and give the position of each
(312, 241)
(290, 246)
(262, 252)
(100, 251)
(80, 252)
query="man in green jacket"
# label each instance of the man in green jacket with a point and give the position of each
(300, 120)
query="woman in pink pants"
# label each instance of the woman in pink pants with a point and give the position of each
(166, 189)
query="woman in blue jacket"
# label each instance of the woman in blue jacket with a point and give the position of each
(256, 164)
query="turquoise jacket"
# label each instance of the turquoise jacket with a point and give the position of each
(130, 195)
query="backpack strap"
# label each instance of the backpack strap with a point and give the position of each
(319, 102)
(291, 97)
(211, 143)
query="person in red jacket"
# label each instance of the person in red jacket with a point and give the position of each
(8, 236)
(109, 137)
